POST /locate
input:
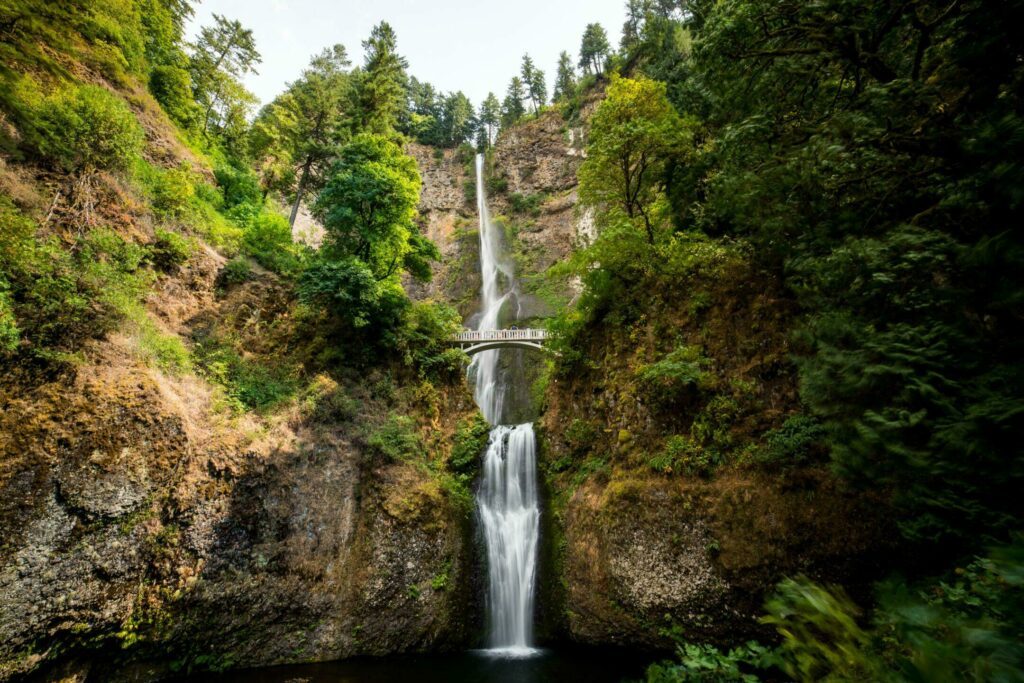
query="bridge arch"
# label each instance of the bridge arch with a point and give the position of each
(509, 344)
(475, 341)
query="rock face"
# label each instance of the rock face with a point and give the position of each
(648, 557)
(135, 513)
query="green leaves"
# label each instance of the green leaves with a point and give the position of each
(634, 134)
(368, 205)
(87, 128)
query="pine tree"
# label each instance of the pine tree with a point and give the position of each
(318, 99)
(594, 49)
(382, 84)
(533, 81)
(489, 119)
(512, 109)
(222, 53)
(565, 78)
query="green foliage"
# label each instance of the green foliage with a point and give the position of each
(10, 335)
(172, 190)
(594, 49)
(238, 186)
(353, 296)
(381, 84)
(169, 251)
(59, 297)
(581, 437)
(327, 401)
(796, 442)
(268, 239)
(165, 351)
(682, 454)
(526, 203)
(468, 446)
(821, 639)
(171, 85)
(963, 628)
(706, 664)
(221, 54)
(675, 379)
(247, 384)
(236, 271)
(396, 439)
(634, 134)
(86, 128)
(423, 339)
(368, 205)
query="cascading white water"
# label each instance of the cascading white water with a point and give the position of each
(507, 501)
(510, 516)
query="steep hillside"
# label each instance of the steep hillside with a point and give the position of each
(188, 480)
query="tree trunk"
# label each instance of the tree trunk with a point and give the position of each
(299, 190)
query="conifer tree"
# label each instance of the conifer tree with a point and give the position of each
(594, 49)
(382, 82)
(565, 78)
(489, 119)
(512, 109)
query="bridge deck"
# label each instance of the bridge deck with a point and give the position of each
(477, 336)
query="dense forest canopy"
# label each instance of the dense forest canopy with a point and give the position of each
(865, 153)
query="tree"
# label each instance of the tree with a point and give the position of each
(512, 109)
(368, 206)
(272, 139)
(489, 119)
(565, 78)
(632, 28)
(222, 53)
(533, 82)
(382, 82)
(457, 122)
(317, 101)
(594, 49)
(634, 134)
(422, 116)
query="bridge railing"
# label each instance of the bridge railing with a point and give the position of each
(527, 334)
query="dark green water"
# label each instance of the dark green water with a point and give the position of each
(550, 666)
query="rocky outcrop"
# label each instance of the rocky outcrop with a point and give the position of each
(141, 519)
(447, 215)
(649, 558)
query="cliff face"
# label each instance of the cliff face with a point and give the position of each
(138, 513)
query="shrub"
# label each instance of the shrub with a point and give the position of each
(526, 203)
(581, 436)
(238, 186)
(165, 351)
(468, 444)
(248, 385)
(235, 272)
(10, 335)
(169, 251)
(427, 328)
(172, 88)
(794, 442)
(682, 454)
(173, 190)
(496, 185)
(87, 128)
(397, 439)
(677, 377)
(267, 237)
(55, 296)
(327, 401)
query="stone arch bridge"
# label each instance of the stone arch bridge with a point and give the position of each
(475, 341)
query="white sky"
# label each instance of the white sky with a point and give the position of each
(463, 45)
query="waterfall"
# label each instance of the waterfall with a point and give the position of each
(507, 504)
